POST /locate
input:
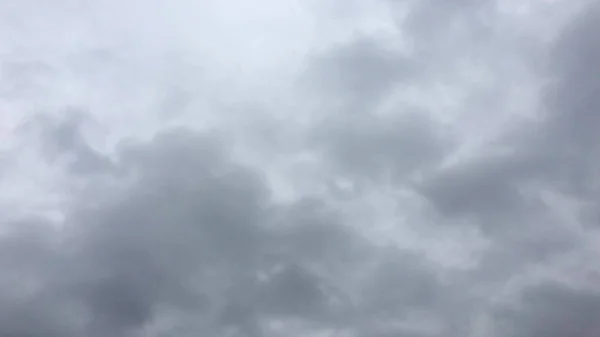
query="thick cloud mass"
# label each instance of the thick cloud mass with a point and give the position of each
(382, 168)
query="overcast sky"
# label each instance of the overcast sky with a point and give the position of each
(348, 168)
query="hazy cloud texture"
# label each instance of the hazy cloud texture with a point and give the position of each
(320, 168)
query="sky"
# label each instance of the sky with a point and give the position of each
(406, 168)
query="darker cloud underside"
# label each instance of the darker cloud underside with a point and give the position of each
(558, 152)
(552, 309)
(498, 191)
(192, 231)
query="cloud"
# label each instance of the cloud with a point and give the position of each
(554, 152)
(155, 195)
(359, 74)
(379, 148)
(554, 309)
(191, 226)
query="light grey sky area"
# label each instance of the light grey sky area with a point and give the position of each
(327, 168)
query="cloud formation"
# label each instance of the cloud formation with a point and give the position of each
(419, 168)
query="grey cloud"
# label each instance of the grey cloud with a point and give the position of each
(442, 34)
(26, 78)
(557, 153)
(369, 148)
(366, 72)
(432, 19)
(315, 233)
(175, 225)
(428, 44)
(125, 258)
(62, 138)
(400, 284)
(191, 227)
(485, 188)
(553, 309)
(572, 102)
(29, 263)
(359, 74)
(529, 244)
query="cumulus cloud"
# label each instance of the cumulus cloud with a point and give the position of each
(418, 168)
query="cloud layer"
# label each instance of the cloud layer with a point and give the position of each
(383, 168)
